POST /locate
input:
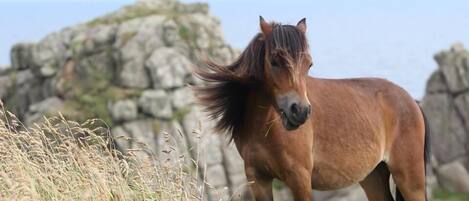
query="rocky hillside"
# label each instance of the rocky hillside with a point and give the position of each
(130, 68)
(446, 104)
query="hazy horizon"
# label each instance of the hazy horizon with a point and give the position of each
(395, 40)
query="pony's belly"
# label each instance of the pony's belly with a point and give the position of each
(332, 179)
(329, 176)
(343, 159)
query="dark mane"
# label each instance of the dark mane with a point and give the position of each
(225, 90)
(289, 39)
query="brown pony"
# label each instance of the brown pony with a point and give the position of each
(314, 133)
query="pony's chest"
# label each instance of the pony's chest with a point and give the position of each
(274, 156)
(258, 157)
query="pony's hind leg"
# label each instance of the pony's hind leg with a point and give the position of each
(376, 184)
(407, 164)
(410, 180)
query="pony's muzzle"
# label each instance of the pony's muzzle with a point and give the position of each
(295, 115)
(293, 110)
(299, 113)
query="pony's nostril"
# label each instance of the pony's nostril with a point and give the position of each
(294, 109)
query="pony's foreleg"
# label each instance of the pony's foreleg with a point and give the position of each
(261, 185)
(299, 181)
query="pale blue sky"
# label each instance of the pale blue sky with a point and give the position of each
(394, 39)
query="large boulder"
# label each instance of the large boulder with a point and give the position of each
(6, 82)
(168, 68)
(156, 103)
(142, 131)
(454, 177)
(38, 110)
(455, 68)
(123, 110)
(446, 105)
(182, 98)
(21, 54)
(137, 38)
(447, 130)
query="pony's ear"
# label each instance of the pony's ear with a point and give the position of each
(302, 25)
(266, 28)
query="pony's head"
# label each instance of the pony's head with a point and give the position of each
(276, 61)
(286, 65)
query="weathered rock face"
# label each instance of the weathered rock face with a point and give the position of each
(131, 69)
(446, 105)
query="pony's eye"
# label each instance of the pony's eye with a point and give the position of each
(274, 63)
(311, 65)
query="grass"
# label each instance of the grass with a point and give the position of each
(444, 195)
(65, 160)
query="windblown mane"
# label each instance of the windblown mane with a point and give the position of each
(226, 87)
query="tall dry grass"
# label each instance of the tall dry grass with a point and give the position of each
(65, 160)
